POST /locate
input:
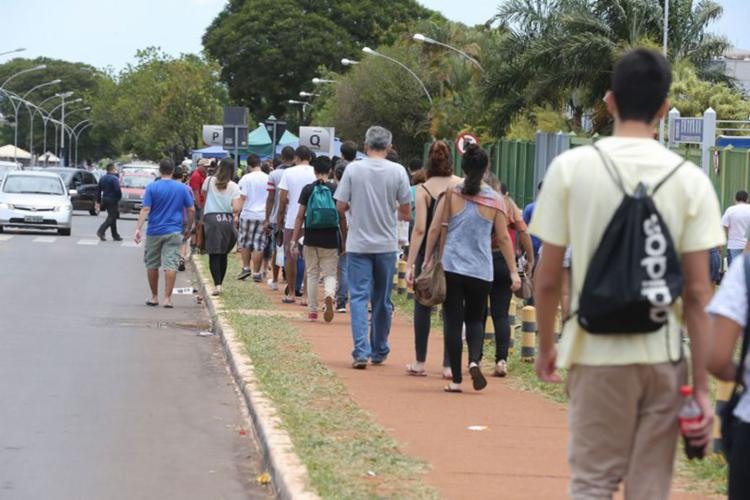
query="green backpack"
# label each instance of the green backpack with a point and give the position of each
(321, 212)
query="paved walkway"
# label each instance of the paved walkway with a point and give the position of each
(520, 455)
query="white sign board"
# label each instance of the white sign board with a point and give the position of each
(213, 135)
(320, 140)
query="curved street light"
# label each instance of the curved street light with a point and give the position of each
(23, 72)
(37, 87)
(11, 52)
(322, 81)
(31, 115)
(308, 94)
(425, 39)
(49, 118)
(348, 62)
(368, 50)
(302, 105)
(78, 135)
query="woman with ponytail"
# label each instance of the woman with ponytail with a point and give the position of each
(473, 210)
(220, 218)
(439, 173)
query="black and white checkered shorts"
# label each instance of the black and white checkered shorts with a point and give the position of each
(252, 236)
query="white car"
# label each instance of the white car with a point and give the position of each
(38, 200)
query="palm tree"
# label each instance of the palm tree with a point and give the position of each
(561, 52)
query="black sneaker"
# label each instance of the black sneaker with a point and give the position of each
(341, 308)
(101, 236)
(244, 274)
(116, 238)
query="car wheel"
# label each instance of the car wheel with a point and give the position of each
(64, 231)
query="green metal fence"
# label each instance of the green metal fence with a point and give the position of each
(730, 174)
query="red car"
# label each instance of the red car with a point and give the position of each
(133, 186)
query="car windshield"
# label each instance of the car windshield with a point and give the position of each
(22, 184)
(65, 174)
(137, 181)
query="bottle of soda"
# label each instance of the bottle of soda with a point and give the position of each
(690, 413)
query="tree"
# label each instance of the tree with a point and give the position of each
(561, 52)
(692, 96)
(269, 50)
(159, 104)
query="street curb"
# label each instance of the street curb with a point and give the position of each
(289, 474)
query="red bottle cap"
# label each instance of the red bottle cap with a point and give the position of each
(686, 390)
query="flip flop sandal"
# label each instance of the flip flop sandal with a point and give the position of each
(287, 300)
(448, 388)
(415, 373)
(152, 304)
(477, 379)
(168, 306)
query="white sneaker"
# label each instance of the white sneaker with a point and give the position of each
(217, 291)
(501, 369)
(273, 286)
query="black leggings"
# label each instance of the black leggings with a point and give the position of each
(500, 296)
(422, 322)
(465, 302)
(739, 462)
(217, 263)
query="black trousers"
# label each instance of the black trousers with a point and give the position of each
(465, 303)
(739, 462)
(500, 296)
(113, 212)
(422, 324)
(217, 263)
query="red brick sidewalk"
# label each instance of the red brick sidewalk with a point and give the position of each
(520, 455)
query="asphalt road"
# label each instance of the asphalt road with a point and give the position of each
(102, 397)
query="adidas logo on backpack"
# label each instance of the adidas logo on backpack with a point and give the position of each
(635, 274)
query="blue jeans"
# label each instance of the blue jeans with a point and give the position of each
(300, 272)
(342, 294)
(371, 279)
(715, 265)
(733, 254)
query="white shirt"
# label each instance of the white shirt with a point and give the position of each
(253, 187)
(293, 180)
(219, 202)
(730, 301)
(737, 220)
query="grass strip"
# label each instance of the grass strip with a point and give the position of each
(347, 454)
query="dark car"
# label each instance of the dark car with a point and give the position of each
(82, 187)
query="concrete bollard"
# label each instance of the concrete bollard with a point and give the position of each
(528, 334)
(401, 283)
(723, 393)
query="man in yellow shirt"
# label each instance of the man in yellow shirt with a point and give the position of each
(625, 388)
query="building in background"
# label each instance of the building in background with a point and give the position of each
(736, 64)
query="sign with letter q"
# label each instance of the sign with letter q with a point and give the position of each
(318, 139)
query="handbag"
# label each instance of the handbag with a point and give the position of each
(526, 290)
(430, 286)
(727, 413)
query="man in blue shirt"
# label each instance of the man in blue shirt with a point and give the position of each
(108, 198)
(164, 203)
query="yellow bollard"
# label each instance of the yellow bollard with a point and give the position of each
(395, 277)
(512, 322)
(528, 334)
(401, 277)
(723, 393)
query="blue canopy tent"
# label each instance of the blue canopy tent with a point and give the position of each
(210, 152)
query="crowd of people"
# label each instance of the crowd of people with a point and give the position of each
(343, 223)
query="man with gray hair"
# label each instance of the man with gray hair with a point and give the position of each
(376, 193)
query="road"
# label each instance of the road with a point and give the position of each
(102, 397)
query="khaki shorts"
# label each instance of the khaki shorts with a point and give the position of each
(163, 251)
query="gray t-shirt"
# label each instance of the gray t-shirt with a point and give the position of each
(374, 188)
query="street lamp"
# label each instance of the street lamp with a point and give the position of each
(22, 72)
(425, 39)
(321, 81)
(31, 115)
(47, 119)
(62, 128)
(308, 94)
(11, 52)
(302, 105)
(78, 135)
(368, 50)
(348, 62)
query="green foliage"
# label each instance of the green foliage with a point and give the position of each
(692, 96)
(269, 50)
(561, 52)
(158, 105)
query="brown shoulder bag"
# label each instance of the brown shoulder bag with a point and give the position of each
(430, 287)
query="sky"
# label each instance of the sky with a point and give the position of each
(107, 33)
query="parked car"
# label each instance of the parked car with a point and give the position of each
(37, 200)
(133, 186)
(82, 186)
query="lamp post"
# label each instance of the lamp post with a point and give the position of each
(71, 131)
(308, 94)
(348, 62)
(322, 81)
(62, 128)
(49, 116)
(31, 116)
(425, 39)
(368, 50)
(23, 72)
(11, 52)
(78, 135)
(302, 105)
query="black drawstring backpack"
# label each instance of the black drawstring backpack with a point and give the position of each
(635, 274)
